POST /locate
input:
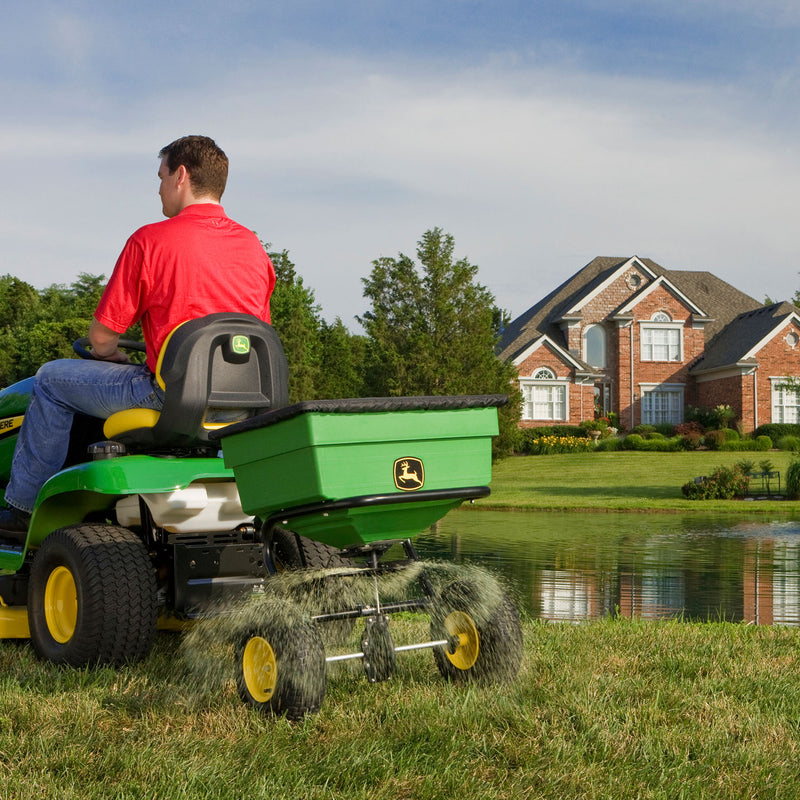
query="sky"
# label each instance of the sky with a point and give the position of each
(538, 133)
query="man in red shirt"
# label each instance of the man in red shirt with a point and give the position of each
(196, 262)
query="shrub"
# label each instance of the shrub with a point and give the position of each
(664, 445)
(684, 428)
(659, 444)
(691, 440)
(714, 439)
(777, 429)
(748, 445)
(611, 444)
(666, 429)
(723, 415)
(633, 441)
(554, 430)
(793, 479)
(644, 430)
(725, 483)
(701, 416)
(731, 434)
(656, 435)
(791, 443)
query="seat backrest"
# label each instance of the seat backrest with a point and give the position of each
(215, 369)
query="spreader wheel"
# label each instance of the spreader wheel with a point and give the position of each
(281, 669)
(92, 597)
(484, 631)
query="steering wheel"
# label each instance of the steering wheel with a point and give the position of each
(81, 347)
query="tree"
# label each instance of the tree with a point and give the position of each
(342, 362)
(295, 317)
(325, 360)
(432, 330)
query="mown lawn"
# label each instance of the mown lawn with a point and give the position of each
(611, 709)
(618, 708)
(620, 481)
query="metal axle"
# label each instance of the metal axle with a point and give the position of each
(401, 649)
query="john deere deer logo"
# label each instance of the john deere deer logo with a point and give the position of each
(409, 474)
(240, 345)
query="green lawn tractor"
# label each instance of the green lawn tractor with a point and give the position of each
(161, 518)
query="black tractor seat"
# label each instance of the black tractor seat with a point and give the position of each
(214, 370)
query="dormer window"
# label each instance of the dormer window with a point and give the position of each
(661, 338)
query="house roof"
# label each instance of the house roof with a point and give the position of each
(720, 301)
(741, 340)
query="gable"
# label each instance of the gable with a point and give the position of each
(651, 289)
(713, 303)
(533, 356)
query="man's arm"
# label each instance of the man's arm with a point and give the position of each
(104, 343)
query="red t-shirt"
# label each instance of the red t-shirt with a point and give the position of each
(196, 263)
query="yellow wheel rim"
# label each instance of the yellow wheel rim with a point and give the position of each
(61, 605)
(461, 626)
(259, 669)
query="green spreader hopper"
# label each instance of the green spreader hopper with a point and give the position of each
(352, 472)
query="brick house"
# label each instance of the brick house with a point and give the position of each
(628, 336)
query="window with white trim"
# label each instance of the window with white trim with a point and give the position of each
(544, 397)
(594, 345)
(661, 338)
(785, 402)
(662, 404)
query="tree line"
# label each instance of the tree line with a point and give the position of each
(430, 329)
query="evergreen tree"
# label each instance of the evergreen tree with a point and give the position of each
(295, 317)
(342, 362)
(432, 330)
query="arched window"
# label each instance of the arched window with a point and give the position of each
(544, 396)
(594, 345)
(544, 374)
(661, 338)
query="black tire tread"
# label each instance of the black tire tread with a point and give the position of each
(499, 633)
(117, 595)
(299, 552)
(301, 667)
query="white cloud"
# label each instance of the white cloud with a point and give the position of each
(342, 160)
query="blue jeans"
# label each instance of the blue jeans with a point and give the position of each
(62, 388)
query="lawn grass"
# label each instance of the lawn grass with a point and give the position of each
(617, 708)
(611, 709)
(621, 481)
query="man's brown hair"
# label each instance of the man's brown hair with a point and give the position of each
(205, 162)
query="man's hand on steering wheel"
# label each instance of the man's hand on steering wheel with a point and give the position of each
(81, 347)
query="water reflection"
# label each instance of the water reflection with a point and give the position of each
(572, 567)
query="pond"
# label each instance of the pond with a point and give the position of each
(576, 566)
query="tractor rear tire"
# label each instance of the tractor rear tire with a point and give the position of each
(293, 551)
(92, 597)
